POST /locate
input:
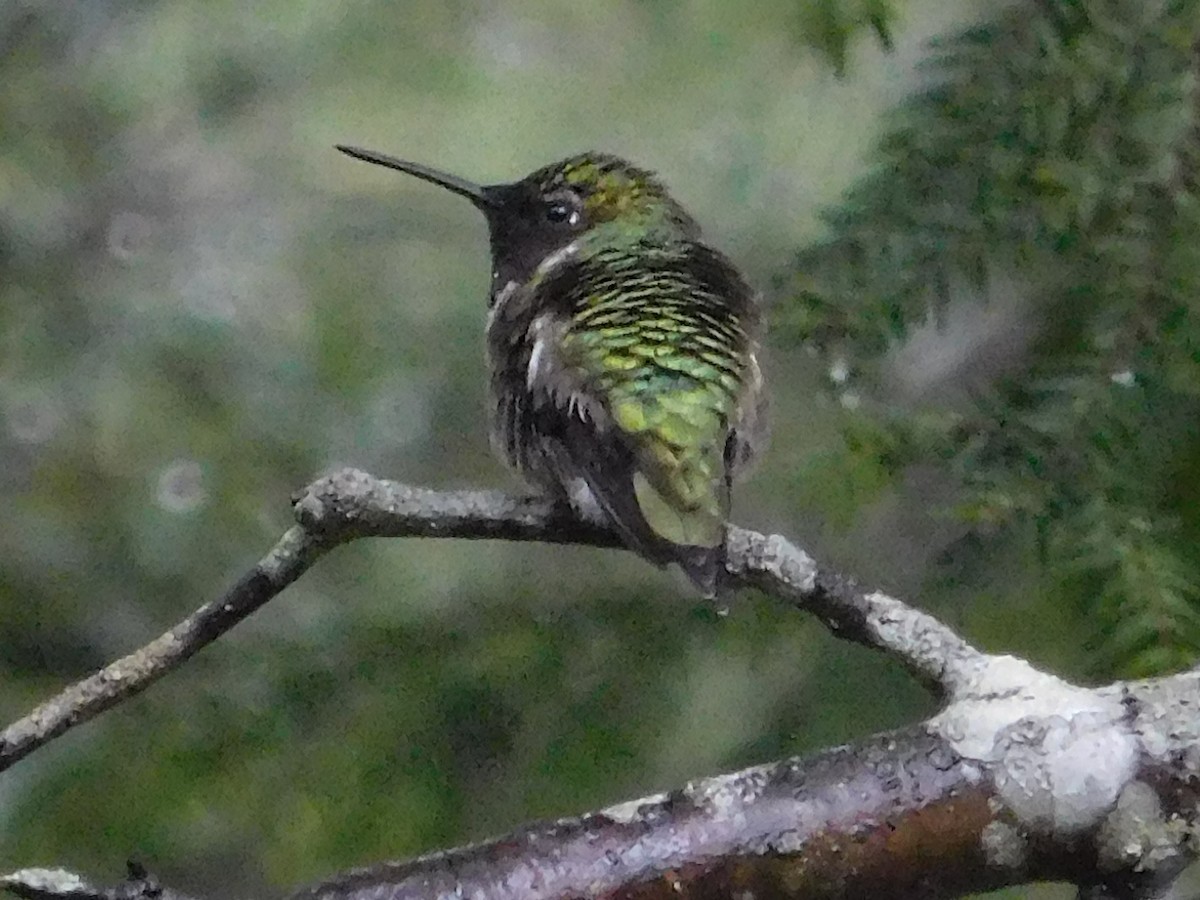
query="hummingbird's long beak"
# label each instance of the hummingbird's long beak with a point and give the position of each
(477, 194)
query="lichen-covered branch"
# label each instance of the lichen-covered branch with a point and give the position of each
(876, 819)
(46, 884)
(902, 814)
(1020, 775)
(352, 504)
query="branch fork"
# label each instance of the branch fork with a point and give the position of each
(1021, 775)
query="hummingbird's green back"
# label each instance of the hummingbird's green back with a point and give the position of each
(659, 331)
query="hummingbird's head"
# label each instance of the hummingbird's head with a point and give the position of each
(548, 210)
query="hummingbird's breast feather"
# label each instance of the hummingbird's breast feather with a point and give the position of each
(530, 382)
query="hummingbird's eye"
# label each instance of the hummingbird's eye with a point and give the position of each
(563, 211)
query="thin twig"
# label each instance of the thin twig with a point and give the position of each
(352, 504)
(119, 680)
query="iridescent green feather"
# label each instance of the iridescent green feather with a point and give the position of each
(668, 355)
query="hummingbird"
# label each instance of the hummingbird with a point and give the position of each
(623, 353)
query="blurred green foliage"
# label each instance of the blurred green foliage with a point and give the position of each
(1049, 164)
(203, 307)
(830, 26)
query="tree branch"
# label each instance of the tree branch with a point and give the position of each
(352, 504)
(129, 675)
(1021, 775)
(902, 814)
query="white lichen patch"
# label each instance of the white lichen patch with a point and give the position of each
(1135, 835)
(49, 881)
(729, 794)
(1059, 755)
(631, 811)
(927, 644)
(284, 553)
(1003, 845)
(793, 564)
(1166, 719)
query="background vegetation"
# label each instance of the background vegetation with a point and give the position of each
(981, 263)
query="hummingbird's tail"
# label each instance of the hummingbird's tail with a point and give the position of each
(610, 472)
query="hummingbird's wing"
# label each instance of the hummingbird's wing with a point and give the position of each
(649, 376)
